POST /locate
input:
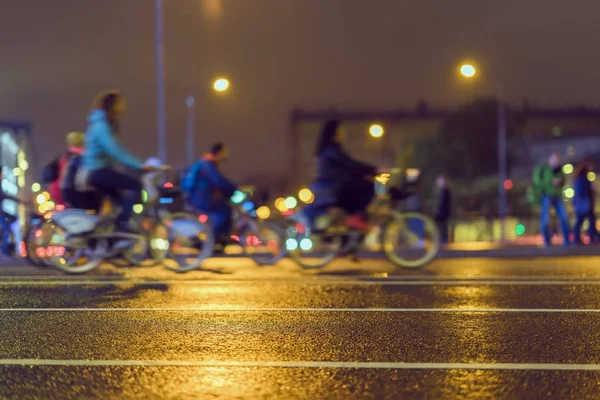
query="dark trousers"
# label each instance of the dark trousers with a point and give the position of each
(220, 217)
(355, 197)
(444, 229)
(592, 232)
(90, 200)
(123, 190)
(5, 226)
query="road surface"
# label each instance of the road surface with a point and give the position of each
(459, 329)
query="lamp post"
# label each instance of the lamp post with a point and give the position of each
(190, 133)
(220, 86)
(469, 71)
(161, 112)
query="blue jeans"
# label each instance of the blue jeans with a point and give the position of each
(592, 232)
(561, 212)
(5, 226)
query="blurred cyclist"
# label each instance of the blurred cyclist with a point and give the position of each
(75, 141)
(341, 181)
(209, 191)
(103, 150)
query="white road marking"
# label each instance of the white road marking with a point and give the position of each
(429, 282)
(308, 310)
(302, 364)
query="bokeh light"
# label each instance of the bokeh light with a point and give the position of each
(263, 212)
(467, 70)
(306, 196)
(568, 169)
(36, 187)
(238, 197)
(591, 176)
(569, 193)
(520, 230)
(376, 130)
(291, 203)
(221, 84)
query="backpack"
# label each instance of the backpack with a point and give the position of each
(188, 184)
(51, 171)
(69, 172)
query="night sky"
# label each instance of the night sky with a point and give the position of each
(56, 54)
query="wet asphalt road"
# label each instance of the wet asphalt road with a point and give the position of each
(506, 329)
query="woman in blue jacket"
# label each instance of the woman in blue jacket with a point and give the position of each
(103, 151)
(583, 203)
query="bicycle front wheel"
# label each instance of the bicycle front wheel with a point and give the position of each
(411, 240)
(263, 242)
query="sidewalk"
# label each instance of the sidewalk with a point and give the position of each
(498, 250)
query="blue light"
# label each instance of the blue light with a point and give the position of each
(166, 200)
(248, 206)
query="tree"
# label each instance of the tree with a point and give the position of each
(466, 147)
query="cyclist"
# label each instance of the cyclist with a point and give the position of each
(209, 191)
(102, 150)
(341, 181)
(58, 167)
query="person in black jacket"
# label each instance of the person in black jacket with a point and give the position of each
(342, 181)
(442, 215)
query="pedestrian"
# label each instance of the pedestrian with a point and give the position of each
(583, 203)
(442, 215)
(5, 222)
(548, 182)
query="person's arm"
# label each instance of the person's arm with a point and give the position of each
(113, 148)
(217, 178)
(354, 167)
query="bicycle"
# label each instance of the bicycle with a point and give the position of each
(262, 241)
(87, 239)
(314, 244)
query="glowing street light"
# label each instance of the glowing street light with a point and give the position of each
(467, 70)
(376, 131)
(221, 85)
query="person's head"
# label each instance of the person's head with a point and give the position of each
(75, 139)
(331, 135)
(583, 168)
(219, 151)
(113, 104)
(441, 181)
(554, 160)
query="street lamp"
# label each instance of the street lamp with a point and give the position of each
(376, 131)
(221, 85)
(468, 71)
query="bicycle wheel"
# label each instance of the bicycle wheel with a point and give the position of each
(308, 248)
(263, 242)
(37, 244)
(31, 246)
(181, 243)
(76, 255)
(411, 240)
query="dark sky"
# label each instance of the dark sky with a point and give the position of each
(56, 54)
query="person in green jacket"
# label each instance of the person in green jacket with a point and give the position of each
(549, 179)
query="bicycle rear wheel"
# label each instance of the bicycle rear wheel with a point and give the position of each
(411, 240)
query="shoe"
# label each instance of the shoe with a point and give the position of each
(357, 222)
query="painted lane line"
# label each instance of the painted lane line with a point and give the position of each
(551, 282)
(302, 364)
(234, 309)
